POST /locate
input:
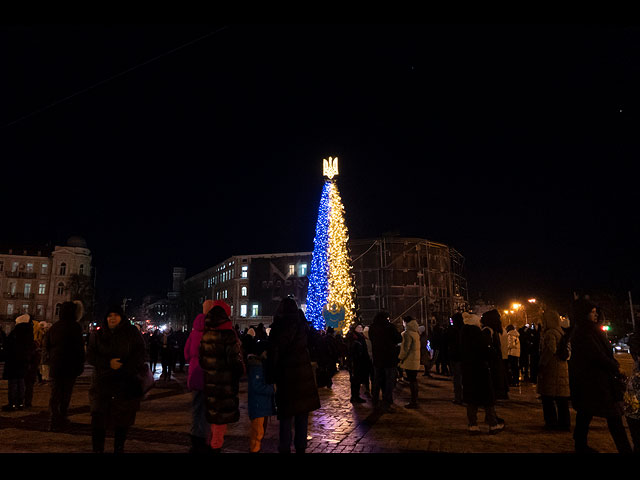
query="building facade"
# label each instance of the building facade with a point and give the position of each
(252, 285)
(404, 276)
(408, 276)
(37, 282)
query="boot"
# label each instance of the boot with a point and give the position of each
(119, 437)
(414, 396)
(198, 445)
(97, 439)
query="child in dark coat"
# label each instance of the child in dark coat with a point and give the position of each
(261, 395)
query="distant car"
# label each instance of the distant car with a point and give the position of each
(621, 345)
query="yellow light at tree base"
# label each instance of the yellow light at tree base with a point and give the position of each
(341, 288)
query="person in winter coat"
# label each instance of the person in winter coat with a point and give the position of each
(592, 379)
(328, 356)
(116, 351)
(261, 395)
(64, 345)
(409, 357)
(369, 380)
(384, 338)
(453, 333)
(632, 407)
(200, 429)
(289, 369)
(19, 350)
(425, 354)
(513, 355)
(221, 361)
(534, 353)
(33, 368)
(553, 375)
(634, 345)
(492, 327)
(358, 362)
(154, 350)
(477, 352)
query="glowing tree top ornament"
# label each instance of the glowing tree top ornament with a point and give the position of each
(331, 293)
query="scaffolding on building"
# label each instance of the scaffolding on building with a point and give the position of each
(408, 276)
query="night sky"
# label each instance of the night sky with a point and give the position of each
(181, 145)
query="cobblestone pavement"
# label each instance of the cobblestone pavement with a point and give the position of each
(438, 426)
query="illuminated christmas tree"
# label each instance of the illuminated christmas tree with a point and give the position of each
(331, 293)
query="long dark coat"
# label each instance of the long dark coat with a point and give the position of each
(476, 353)
(358, 359)
(496, 365)
(289, 366)
(116, 394)
(385, 338)
(20, 349)
(221, 360)
(592, 368)
(64, 345)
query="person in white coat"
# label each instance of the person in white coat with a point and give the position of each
(514, 354)
(409, 357)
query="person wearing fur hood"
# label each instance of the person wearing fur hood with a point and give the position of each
(476, 352)
(200, 429)
(409, 357)
(64, 345)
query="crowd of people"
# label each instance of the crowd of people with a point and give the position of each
(288, 362)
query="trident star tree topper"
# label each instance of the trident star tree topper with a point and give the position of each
(331, 293)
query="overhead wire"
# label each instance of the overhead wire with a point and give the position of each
(124, 72)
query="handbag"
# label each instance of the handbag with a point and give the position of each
(145, 378)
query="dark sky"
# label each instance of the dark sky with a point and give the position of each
(515, 144)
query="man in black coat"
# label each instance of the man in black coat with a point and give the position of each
(20, 348)
(64, 344)
(384, 340)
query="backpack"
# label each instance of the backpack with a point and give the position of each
(563, 350)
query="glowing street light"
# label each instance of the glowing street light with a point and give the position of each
(516, 306)
(532, 300)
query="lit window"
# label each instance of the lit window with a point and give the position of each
(63, 268)
(292, 269)
(44, 268)
(30, 267)
(25, 308)
(40, 310)
(14, 267)
(42, 288)
(27, 289)
(303, 269)
(254, 310)
(245, 271)
(10, 309)
(225, 294)
(244, 291)
(243, 310)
